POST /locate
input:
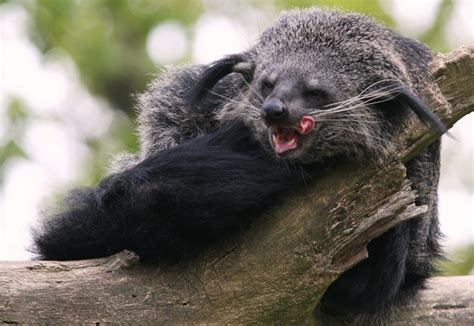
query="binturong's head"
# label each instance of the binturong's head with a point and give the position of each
(320, 84)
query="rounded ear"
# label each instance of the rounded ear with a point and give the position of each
(217, 70)
(397, 91)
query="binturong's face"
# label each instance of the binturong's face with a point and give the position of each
(289, 101)
(323, 85)
(305, 112)
(294, 107)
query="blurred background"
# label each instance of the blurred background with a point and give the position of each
(69, 70)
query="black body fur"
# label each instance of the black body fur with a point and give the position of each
(172, 204)
(182, 192)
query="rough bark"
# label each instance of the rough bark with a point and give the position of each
(446, 301)
(273, 273)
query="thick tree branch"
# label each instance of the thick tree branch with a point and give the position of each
(275, 271)
(446, 301)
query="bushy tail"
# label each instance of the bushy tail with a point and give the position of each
(81, 229)
(171, 204)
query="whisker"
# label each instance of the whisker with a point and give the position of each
(388, 88)
(344, 108)
(345, 114)
(223, 96)
(283, 164)
(348, 120)
(246, 100)
(252, 89)
(369, 135)
(303, 173)
(364, 99)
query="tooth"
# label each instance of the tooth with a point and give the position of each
(275, 139)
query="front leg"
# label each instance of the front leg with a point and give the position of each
(166, 116)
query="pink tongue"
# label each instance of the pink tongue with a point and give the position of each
(306, 125)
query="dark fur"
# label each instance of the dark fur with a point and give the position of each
(172, 204)
(163, 202)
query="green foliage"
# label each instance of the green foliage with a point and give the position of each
(460, 262)
(368, 7)
(106, 39)
(120, 138)
(16, 116)
(434, 35)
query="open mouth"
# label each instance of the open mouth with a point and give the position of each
(286, 139)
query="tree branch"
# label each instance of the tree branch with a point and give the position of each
(277, 270)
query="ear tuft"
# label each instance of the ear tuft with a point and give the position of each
(215, 72)
(401, 93)
(421, 110)
(245, 68)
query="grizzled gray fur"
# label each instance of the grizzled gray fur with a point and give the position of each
(337, 79)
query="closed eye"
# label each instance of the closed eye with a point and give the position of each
(266, 88)
(316, 93)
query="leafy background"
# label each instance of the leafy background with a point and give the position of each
(69, 69)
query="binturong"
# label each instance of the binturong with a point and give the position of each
(319, 87)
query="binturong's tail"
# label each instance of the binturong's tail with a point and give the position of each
(171, 204)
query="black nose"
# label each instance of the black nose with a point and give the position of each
(274, 110)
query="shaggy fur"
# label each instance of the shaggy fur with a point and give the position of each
(172, 204)
(358, 83)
